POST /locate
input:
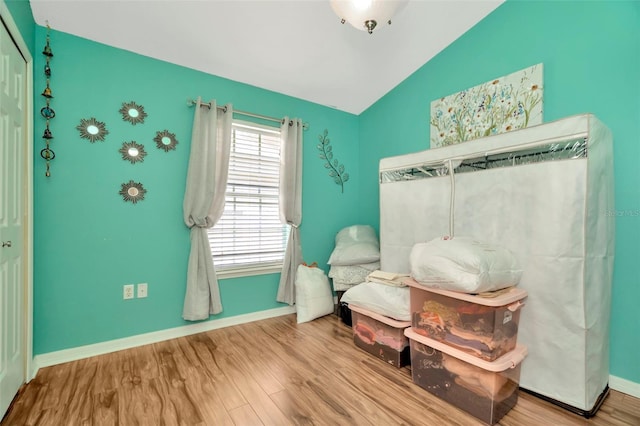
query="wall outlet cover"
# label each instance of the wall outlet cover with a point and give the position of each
(127, 291)
(142, 290)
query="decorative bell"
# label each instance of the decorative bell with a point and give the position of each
(47, 134)
(47, 92)
(47, 70)
(47, 50)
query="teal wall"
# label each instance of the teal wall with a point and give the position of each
(591, 57)
(21, 13)
(89, 242)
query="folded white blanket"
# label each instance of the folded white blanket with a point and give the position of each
(343, 286)
(388, 278)
(354, 274)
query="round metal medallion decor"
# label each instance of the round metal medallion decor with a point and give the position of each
(165, 140)
(133, 152)
(132, 192)
(133, 113)
(92, 129)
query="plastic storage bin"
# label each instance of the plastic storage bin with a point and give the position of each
(486, 390)
(381, 336)
(486, 327)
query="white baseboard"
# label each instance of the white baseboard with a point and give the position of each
(625, 386)
(73, 354)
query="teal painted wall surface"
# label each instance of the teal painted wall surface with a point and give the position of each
(89, 242)
(591, 57)
(23, 17)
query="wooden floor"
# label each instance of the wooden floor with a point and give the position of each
(270, 372)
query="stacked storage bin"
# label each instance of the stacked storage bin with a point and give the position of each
(381, 336)
(380, 313)
(463, 348)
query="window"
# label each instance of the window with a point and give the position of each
(249, 237)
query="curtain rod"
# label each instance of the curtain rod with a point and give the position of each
(191, 102)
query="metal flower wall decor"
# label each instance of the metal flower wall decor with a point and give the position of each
(336, 170)
(132, 112)
(92, 129)
(165, 140)
(132, 191)
(133, 152)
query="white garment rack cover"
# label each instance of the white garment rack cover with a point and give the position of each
(546, 194)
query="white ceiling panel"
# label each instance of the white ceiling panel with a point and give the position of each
(303, 49)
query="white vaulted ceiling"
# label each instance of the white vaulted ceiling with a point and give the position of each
(298, 48)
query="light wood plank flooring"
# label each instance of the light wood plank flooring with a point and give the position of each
(270, 372)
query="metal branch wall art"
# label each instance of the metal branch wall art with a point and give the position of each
(336, 170)
(47, 112)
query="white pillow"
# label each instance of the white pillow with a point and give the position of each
(463, 264)
(355, 245)
(355, 254)
(314, 298)
(387, 300)
(356, 234)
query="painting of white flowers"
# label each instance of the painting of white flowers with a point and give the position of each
(502, 105)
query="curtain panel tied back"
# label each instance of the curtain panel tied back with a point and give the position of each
(290, 204)
(203, 205)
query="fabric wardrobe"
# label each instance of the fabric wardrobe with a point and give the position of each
(545, 193)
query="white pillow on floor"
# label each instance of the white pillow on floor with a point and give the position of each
(314, 298)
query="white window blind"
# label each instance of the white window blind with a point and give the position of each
(249, 235)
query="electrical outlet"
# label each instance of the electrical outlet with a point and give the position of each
(128, 291)
(142, 290)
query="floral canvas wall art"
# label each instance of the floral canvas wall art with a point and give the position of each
(501, 105)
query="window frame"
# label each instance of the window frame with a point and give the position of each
(263, 268)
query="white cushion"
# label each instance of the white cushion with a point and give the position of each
(356, 234)
(464, 264)
(314, 298)
(355, 245)
(355, 254)
(387, 300)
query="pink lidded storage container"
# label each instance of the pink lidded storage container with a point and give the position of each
(486, 327)
(381, 336)
(486, 390)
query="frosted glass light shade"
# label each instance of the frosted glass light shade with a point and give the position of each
(359, 12)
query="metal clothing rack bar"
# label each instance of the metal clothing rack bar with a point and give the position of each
(566, 149)
(191, 102)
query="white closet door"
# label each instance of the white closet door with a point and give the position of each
(13, 91)
(537, 211)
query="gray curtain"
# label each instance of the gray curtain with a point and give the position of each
(204, 203)
(290, 204)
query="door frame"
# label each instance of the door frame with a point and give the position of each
(30, 368)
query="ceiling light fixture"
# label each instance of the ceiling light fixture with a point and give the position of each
(367, 14)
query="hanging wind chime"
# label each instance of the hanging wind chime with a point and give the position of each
(47, 112)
